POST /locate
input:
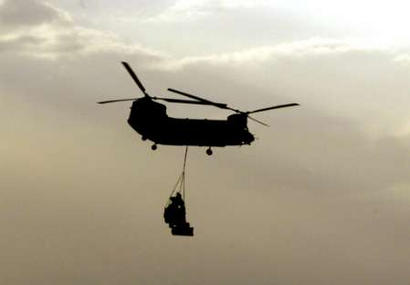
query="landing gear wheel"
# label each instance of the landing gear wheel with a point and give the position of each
(144, 138)
(209, 151)
(154, 147)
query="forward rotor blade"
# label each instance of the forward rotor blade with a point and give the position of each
(273, 107)
(134, 76)
(220, 105)
(262, 123)
(117, 100)
(171, 100)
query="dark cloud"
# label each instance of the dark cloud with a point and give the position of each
(20, 13)
(37, 28)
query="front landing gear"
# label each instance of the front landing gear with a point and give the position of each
(209, 151)
(154, 146)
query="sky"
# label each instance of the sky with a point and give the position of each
(321, 197)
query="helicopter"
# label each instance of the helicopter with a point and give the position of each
(149, 118)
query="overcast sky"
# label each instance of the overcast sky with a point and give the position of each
(321, 197)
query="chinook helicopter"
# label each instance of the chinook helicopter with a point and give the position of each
(149, 118)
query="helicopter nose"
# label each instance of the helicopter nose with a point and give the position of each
(249, 138)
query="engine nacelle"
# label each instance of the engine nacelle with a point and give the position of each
(240, 120)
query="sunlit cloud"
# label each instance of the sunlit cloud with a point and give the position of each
(311, 47)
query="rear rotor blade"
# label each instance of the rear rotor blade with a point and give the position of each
(273, 107)
(117, 100)
(220, 105)
(134, 76)
(260, 122)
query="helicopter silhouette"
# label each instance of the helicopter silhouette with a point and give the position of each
(150, 120)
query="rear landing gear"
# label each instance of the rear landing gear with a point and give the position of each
(154, 147)
(209, 151)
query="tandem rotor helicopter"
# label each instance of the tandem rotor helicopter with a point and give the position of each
(150, 120)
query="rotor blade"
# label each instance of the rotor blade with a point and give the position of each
(172, 100)
(220, 105)
(117, 100)
(273, 107)
(134, 76)
(262, 123)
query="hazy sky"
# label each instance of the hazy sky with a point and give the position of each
(322, 197)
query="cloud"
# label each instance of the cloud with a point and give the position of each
(403, 58)
(314, 200)
(23, 13)
(306, 48)
(344, 79)
(314, 191)
(49, 32)
(335, 60)
(188, 11)
(37, 28)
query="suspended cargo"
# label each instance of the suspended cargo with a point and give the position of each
(175, 211)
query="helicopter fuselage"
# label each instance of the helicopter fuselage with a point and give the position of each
(151, 121)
